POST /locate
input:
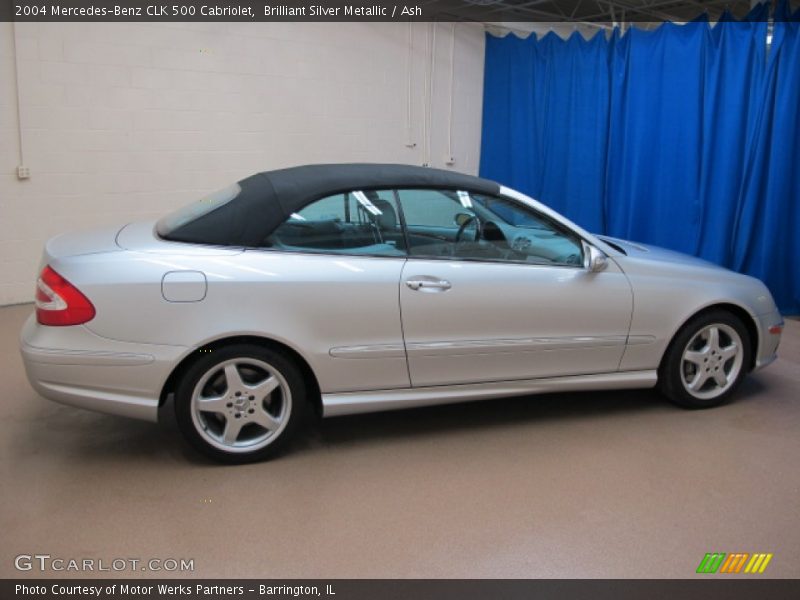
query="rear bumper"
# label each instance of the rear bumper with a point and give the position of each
(74, 366)
(768, 342)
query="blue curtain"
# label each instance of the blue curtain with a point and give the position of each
(553, 144)
(766, 236)
(686, 137)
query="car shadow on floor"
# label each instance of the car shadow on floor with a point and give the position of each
(78, 434)
(483, 415)
(532, 410)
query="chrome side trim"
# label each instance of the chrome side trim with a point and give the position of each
(637, 340)
(93, 358)
(338, 404)
(376, 351)
(462, 347)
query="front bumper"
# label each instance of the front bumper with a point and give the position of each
(768, 342)
(74, 366)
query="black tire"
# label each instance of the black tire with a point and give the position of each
(676, 368)
(243, 406)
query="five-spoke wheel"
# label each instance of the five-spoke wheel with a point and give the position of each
(712, 361)
(706, 360)
(238, 402)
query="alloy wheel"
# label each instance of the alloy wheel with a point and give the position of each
(712, 361)
(241, 405)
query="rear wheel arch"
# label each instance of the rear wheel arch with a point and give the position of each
(312, 385)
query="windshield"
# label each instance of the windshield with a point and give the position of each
(509, 212)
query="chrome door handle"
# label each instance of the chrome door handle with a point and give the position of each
(419, 284)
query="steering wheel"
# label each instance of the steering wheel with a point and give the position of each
(464, 226)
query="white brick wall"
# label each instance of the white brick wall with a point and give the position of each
(125, 121)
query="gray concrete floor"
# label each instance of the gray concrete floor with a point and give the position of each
(616, 484)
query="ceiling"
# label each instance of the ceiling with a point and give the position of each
(593, 10)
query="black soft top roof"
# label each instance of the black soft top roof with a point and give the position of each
(295, 185)
(267, 199)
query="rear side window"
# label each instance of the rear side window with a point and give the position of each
(357, 222)
(188, 214)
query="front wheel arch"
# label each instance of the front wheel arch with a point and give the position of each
(745, 317)
(313, 393)
(677, 364)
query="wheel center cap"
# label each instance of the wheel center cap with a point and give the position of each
(240, 402)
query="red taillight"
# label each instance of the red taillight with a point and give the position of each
(58, 302)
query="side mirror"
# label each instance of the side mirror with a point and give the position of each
(594, 260)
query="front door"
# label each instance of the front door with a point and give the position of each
(494, 291)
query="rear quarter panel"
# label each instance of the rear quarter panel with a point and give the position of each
(309, 303)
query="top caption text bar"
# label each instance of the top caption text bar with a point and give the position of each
(344, 10)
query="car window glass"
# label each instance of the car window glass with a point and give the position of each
(357, 222)
(458, 224)
(197, 209)
(430, 208)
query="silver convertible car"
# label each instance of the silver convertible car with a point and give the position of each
(363, 287)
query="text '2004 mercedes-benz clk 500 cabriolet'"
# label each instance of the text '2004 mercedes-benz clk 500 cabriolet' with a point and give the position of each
(364, 287)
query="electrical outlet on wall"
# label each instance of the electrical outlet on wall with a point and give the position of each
(23, 172)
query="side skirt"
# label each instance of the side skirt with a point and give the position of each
(350, 403)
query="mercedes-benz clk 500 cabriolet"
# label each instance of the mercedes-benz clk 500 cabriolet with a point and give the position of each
(364, 287)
